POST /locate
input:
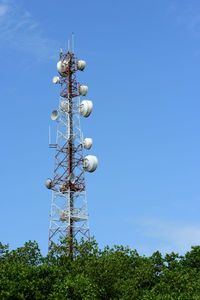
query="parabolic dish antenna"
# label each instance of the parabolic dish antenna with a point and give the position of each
(55, 115)
(72, 178)
(56, 79)
(62, 66)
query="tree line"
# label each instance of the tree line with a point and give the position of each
(93, 273)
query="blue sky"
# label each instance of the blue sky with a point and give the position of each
(143, 70)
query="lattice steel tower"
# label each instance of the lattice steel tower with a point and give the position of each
(69, 213)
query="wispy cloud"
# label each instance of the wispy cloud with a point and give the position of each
(19, 30)
(3, 10)
(168, 236)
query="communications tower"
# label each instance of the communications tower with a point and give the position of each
(69, 213)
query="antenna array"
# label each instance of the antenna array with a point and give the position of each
(69, 213)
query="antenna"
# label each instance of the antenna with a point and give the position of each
(69, 45)
(49, 135)
(69, 213)
(51, 145)
(72, 42)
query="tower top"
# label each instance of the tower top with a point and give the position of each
(71, 43)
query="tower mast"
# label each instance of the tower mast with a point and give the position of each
(69, 214)
(70, 146)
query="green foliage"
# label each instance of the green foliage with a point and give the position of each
(92, 273)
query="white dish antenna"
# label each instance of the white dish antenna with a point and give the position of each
(87, 143)
(55, 115)
(86, 108)
(62, 66)
(90, 163)
(64, 105)
(48, 183)
(56, 79)
(83, 89)
(72, 178)
(81, 65)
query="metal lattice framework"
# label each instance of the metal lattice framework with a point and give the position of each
(69, 213)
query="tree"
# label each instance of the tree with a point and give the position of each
(93, 273)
